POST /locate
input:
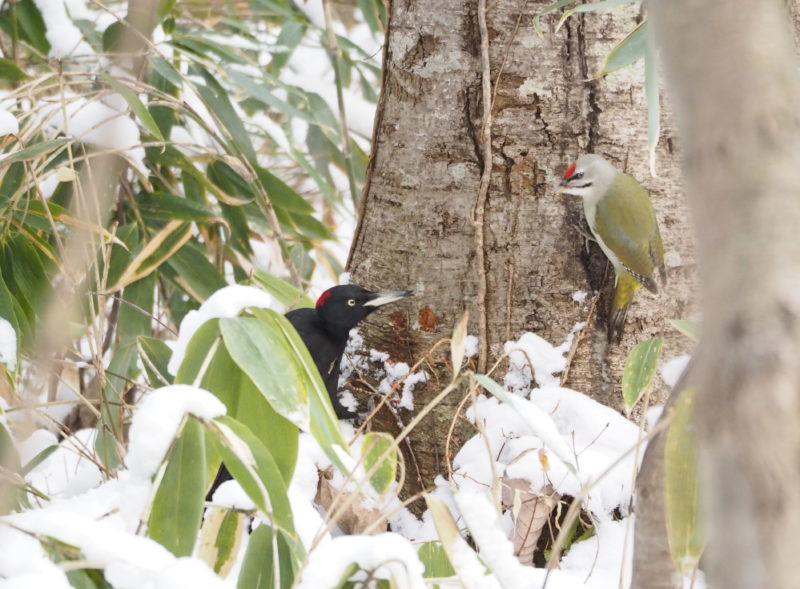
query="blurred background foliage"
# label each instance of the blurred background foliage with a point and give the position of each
(165, 150)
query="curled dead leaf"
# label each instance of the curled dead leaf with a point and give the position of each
(530, 511)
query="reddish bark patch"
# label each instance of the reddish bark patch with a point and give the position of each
(428, 320)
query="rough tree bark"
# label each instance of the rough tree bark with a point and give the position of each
(415, 228)
(737, 111)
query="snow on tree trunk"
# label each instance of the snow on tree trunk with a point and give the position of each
(415, 227)
(737, 111)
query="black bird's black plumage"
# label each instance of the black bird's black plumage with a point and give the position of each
(325, 330)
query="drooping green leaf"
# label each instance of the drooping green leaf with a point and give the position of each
(177, 508)
(31, 25)
(434, 557)
(218, 102)
(155, 354)
(261, 352)
(687, 327)
(262, 568)
(631, 49)
(682, 486)
(135, 104)
(194, 273)
(281, 194)
(253, 466)
(653, 101)
(374, 447)
(33, 151)
(10, 72)
(288, 39)
(284, 293)
(324, 425)
(220, 538)
(592, 7)
(640, 367)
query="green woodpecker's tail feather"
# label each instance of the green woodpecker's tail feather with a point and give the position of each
(623, 295)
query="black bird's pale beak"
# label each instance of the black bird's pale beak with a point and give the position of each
(384, 298)
(561, 186)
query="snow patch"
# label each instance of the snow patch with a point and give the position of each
(228, 301)
(156, 422)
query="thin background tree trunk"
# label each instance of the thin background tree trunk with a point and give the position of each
(732, 72)
(415, 227)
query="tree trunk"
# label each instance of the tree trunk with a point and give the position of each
(737, 110)
(415, 229)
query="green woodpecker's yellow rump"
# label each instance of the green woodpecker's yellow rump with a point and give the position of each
(621, 217)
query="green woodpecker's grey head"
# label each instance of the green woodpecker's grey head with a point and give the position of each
(589, 177)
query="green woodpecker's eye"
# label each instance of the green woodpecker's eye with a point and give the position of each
(352, 302)
(577, 176)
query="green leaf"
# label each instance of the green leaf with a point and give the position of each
(640, 367)
(139, 109)
(262, 568)
(434, 557)
(592, 7)
(194, 273)
(537, 23)
(631, 49)
(310, 227)
(285, 293)
(199, 354)
(38, 459)
(682, 486)
(32, 25)
(261, 352)
(281, 194)
(35, 150)
(220, 538)
(242, 399)
(324, 425)
(155, 354)
(374, 446)
(177, 508)
(160, 206)
(289, 38)
(10, 72)
(687, 327)
(253, 466)
(653, 102)
(166, 71)
(219, 104)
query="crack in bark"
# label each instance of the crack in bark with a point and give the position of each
(593, 116)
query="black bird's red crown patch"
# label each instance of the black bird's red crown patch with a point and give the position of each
(570, 171)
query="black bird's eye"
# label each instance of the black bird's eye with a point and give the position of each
(577, 176)
(352, 302)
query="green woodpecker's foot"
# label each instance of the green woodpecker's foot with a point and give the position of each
(587, 236)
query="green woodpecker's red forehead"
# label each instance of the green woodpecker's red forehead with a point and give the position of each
(570, 171)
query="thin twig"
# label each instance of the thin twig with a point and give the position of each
(479, 213)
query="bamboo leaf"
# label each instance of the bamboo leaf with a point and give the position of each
(631, 49)
(135, 104)
(158, 249)
(458, 345)
(374, 446)
(253, 466)
(682, 486)
(33, 151)
(688, 328)
(261, 352)
(640, 367)
(177, 508)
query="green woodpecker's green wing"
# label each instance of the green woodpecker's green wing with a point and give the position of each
(626, 223)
